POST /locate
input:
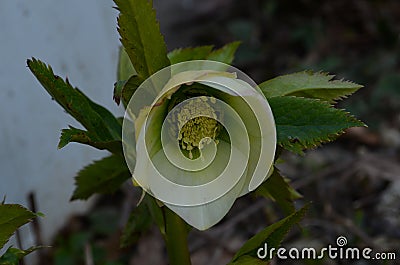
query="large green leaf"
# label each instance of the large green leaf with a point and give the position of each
(12, 216)
(95, 118)
(277, 189)
(103, 176)
(272, 235)
(306, 123)
(310, 85)
(112, 123)
(188, 54)
(84, 137)
(225, 54)
(13, 255)
(141, 37)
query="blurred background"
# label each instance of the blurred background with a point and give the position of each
(353, 183)
(80, 41)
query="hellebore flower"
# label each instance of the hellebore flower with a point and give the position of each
(196, 136)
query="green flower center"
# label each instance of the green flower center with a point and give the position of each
(197, 126)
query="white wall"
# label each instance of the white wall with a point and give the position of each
(79, 40)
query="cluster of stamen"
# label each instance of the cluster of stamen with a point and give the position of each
(195, 123)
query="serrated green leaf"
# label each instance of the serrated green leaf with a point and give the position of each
(139, 221)
(225, 54)
(248, 260)
(95, 118)
(13, 255)
(12, 216)
(303, 123)
(278, 189)
(310, 85)
(272, 235)
(188, 54)
(84, 137)
(113, 125)
(141, 37)
(102, 176)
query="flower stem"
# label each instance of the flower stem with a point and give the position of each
(176, 239)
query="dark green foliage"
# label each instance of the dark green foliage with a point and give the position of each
(279, 190)
(272, 235)
(95, 118)
(303, 123)
(104, 176)
(12, 216)
(141, 37)
(309, 85)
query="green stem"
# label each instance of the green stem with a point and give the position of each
(176, 239)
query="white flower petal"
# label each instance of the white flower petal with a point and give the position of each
(176, 186)
(257, 115)
(205, 216)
